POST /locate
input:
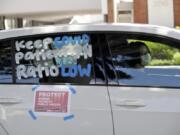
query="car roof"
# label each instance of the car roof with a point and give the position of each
(125, 27)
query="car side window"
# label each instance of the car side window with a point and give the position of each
(6, 62)
(57, 58)
(145, 60)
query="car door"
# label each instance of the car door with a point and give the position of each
(146, 100)
(74, 101)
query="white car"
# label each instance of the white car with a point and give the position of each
(101, 79)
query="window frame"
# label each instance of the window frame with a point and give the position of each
(88, 32)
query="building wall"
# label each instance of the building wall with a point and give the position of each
(2, 25)
(125, 12)
(177, 12)
(140, 11)
(158, 12)
(161, 12)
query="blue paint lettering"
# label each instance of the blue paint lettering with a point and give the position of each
(57, 42)
(85, 39)
(65, 40)
(84, 71)
(73, 71)
(63, 71)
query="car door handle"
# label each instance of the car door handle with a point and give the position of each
(131, 103)
(10, 100)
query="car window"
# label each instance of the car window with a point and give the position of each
(5, 62)
(145, 60)
(58, 58)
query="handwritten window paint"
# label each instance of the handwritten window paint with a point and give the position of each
(65, 56)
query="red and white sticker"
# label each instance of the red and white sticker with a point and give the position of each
(49, 102)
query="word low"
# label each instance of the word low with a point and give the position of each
(53, 71)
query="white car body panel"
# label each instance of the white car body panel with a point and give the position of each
(145, 111)
(90, 106)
